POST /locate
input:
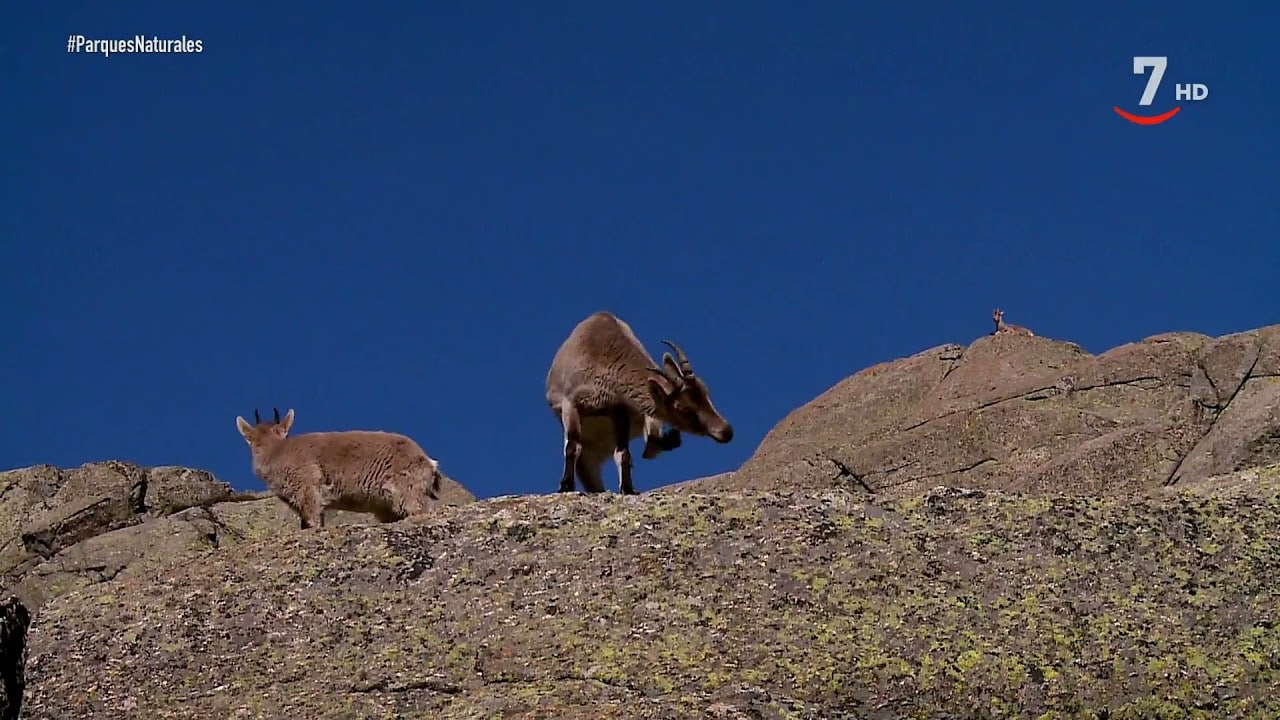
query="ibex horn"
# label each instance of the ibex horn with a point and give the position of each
(256, 420)
(685, 367)
(277, 411)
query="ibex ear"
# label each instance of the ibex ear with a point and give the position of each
(670, 364)
(243, 426)
(660, 385)
(287, 421)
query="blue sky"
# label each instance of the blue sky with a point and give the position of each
(390, 217)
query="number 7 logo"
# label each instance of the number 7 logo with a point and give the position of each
(1157, 65)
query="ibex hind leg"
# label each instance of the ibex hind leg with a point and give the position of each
(589, 473)
(572, 425)
(622, 450)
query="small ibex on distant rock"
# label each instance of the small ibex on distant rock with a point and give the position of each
(606, 390)
(1002, 327)
(382, 473)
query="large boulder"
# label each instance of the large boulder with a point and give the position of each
(45, 510)
(1032, 414)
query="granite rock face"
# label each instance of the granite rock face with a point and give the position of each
(1032, 414)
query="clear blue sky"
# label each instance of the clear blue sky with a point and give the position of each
(390, 217)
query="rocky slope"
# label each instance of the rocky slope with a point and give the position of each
(811, 604)
(1033, 414)
(1009, 529)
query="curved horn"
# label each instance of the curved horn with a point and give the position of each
(685, 367)
(256, 420)
(277, 412)
(663, 372)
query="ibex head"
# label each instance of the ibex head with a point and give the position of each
(683, 398)
(261, 432)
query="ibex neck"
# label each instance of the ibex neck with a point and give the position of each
(647, 406)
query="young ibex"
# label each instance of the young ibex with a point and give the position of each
(1002, 327)
(385, 474)
(606, 391)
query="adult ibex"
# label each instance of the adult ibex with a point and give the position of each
(606, 390)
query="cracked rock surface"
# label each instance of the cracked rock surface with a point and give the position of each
(46, 511)
(1032, 414)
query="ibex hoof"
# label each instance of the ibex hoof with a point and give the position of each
(670, 439)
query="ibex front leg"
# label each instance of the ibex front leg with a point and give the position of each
(622, 450)
(657, 440)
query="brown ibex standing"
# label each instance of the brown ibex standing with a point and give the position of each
(382, 473)
(1002, 327)
(606, 391)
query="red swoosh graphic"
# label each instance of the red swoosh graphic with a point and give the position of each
(1147, 119)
